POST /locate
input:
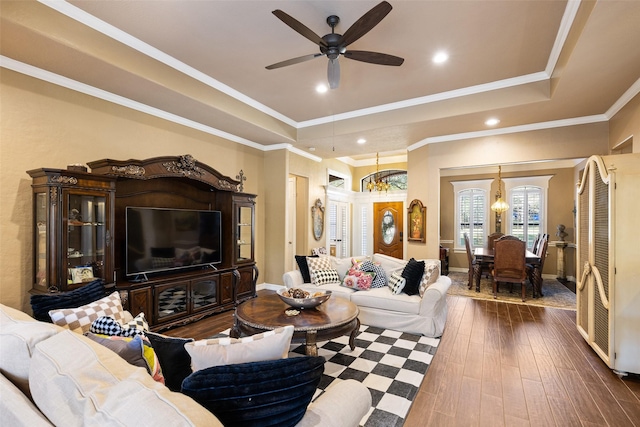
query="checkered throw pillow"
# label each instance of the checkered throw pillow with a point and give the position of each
(319, 264)
(79, 319)
(396, 283)
(380, 280)
(430, 275)
(325, 276)
(108, 326)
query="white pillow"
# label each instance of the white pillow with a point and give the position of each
(19, 334)
(341, 265)
(270, 345)
(77, 382)
(79, 319)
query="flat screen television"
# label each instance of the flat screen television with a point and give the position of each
(159, 239)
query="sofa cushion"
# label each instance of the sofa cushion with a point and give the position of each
(303, 266)
(269, 393)
(396, 283)
(174, 358)
(77, 382)
(324, 277)
(131, 351)
(41, 304)
(358, 280)
(380, 279)
(109, 326)
(152, 364)
(321, 271)
(16, 410)
(413, 272)
(383, 299)
(268, 345)
(343, 265)
(19, 334)
(430, 275)
(80, 319)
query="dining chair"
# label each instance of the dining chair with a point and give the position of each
(541, 251)
(470, 258)
(509, 264)
(491, 239)
(534, 247)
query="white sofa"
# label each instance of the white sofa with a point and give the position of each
(52, 376)
(379, 307)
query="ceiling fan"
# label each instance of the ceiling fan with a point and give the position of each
(333, 45)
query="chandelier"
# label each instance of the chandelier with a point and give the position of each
(378, 183)
(500, 206)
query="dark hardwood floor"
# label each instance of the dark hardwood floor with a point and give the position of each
(501, 364)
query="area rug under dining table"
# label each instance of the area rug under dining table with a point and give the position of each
(391, 364)
(554, 293)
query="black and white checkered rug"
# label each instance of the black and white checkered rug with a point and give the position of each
(391, 364)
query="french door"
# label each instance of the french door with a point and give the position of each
(339, 229)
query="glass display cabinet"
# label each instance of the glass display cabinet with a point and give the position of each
(72, 223)
(244, 211)
(246, 272)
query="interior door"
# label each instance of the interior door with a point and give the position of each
(339, 222)
(291, 225)
(387, 228)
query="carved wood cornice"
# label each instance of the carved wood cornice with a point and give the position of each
(184, 166)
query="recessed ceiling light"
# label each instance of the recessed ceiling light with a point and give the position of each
(492, 122)
(312, 148)
(361, 141)
(440, 57)
(322, 88)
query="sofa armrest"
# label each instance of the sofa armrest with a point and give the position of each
(292, 279)
(435, 296)
(343, 404)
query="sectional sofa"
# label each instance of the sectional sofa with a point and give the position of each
(53, 376)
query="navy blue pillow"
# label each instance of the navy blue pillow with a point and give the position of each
(42, 303)
(413, 272)
(174, 359)
(304, 267)
(257, 394)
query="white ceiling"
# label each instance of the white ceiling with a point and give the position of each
(532, 64)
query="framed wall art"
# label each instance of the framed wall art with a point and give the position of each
(317, 219)
(417, 221)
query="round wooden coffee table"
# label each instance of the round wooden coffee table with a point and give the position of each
(334, 318)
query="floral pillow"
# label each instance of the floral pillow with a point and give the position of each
(358, 280)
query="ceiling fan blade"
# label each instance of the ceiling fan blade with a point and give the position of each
(333, 73)
(363, 25)
(293, 61)
(299, 27)
(374, 57)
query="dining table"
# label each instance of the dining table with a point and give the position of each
(485, 256)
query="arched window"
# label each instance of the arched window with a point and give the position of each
(396, 178)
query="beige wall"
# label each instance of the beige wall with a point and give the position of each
(43, 125)
(560, 197)
(426, 162)
(626, 124)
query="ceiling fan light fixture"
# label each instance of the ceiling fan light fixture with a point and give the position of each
(333, 73)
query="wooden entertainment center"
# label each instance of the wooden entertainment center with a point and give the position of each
(80, 233)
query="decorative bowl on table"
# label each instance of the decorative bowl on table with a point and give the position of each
(299, 298)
